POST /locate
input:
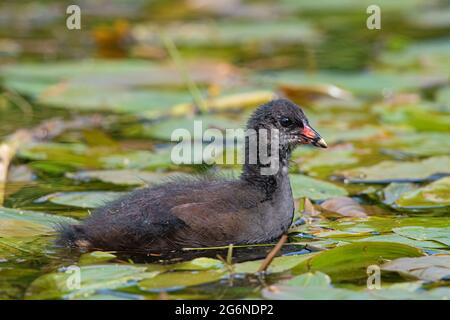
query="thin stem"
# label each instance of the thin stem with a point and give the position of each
(268, 260)
(192, 87)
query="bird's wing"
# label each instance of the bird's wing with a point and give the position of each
(209, 226)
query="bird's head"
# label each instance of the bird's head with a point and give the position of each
(290, 121)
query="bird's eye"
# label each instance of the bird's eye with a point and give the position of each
(286, 122)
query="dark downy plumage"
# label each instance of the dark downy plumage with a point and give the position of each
(255, 208)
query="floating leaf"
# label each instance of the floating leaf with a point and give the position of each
(310, 279)
(95, 257)
(120, 177)
(164, 129)
(303, 186)
(399, 171)
(177, 280)
(410, 292)
(430, 268)
(199, 264)
(422, 244)
(279, 264)
(349, 262)
(85, 199)
(441, 235)
(394, 190)
(230, 33)
(364, 83)
(22, 228)
(32, 219)
(419, 144)
(384, 224)
(138, 160)
(58, 285)
(344, 206)
(436, 194)
(328, 162)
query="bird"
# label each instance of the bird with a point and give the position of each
(256, 207)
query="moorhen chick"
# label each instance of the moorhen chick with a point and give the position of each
(256, 208)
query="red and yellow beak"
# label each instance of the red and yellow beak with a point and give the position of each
(311, 136)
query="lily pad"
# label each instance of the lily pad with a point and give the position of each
(138, 160)
(279, 264)
(422, 244)
(328, 162)
(199, 264)
(310, 279)
(164, 129)
(62, 284)
(230, 33)
(436, 194)
(395, 190)
(441, 235)
(430, 268)
(22, 223)
(303, 186)
(86, 199)
(95, 257)
(349, 262)
(420, 144)
(120, 177)
(345, 206)
(399, 171)
(367, 83)
(177, 280)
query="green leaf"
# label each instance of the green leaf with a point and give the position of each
(22, 223)
(62, 284)
(285, 292)
(177, 280)
(164, 129)
(310, 279)
(95, 257)
(441, 235)
(362, 83)
(84, 199)
(394, 190)
(235, 33)
(199, 264)
(349, 262)
(120, 177)
(279, 264)
(138, 160)
(399, 171)
(422, 244)
(436, 194)
(303, 186)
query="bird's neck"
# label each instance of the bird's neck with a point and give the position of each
(268, 177)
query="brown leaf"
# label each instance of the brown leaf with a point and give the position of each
(345, 206)
(308, 93)
(308, 208)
